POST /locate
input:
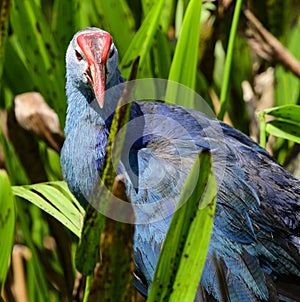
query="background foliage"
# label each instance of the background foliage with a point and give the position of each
(179, 40)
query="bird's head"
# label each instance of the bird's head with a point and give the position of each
(91, 61)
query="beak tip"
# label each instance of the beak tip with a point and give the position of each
(100, 100)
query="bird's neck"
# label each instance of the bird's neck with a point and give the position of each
(82, 103)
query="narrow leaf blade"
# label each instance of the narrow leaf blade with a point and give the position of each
(288, 112)
(141, 42)
(122, 34)
(284, 130)
(54, 202)
(7, 225)
(184, 64)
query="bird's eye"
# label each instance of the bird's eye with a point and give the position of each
(78, 55)
(111, 52)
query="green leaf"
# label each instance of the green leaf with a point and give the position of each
(284, 129)
(184, 64)
(63, 24)
(237, 110)
(36, 279)
(55, 199)
(7, 225)
(142, 41)
(161, 54)
(13, 165)
(229, 57)
(122, 34)
(167, 16)
(288, 112)
(186, 244)
(287, 85)
(219, 61)
(12, 54)
(179, 17)
(285, 125)
(40, 53)
(262, 129)
(88, 251)
(113, 280)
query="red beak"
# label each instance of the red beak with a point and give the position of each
(95, 46)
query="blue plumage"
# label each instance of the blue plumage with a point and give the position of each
(255, 241)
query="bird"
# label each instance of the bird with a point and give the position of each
(255, 242)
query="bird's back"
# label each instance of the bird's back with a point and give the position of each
(255, 237)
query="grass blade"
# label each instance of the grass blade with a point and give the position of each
(184, 65)
(40, 53)
(7, 225)
(38, 287)
(122, 34)
(161, 55)
(262, 129)
(285, 125)
(229, 56)
(287, 87)
(53, 201)
(142, 41)
(63, 24)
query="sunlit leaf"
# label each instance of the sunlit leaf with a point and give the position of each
(179, 17)
(184, 64)
(7, 225)
(290, 113)
(284, 129)
(285, 125)
(167, 15)
(287, 85)
(63, 23)
(122, 34)
(229, 58)
(141, 42)
(41, 57)
(55, 199)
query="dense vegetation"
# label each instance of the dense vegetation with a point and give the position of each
(240, 56)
